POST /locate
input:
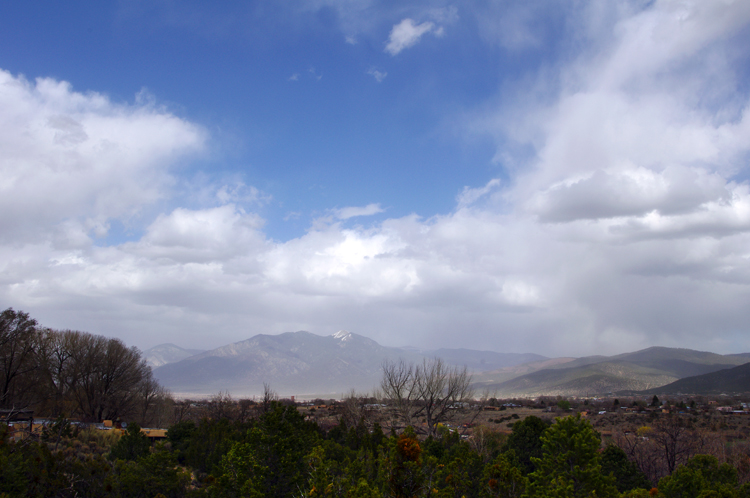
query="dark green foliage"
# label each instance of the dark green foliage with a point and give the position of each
(153, 474)
(30, 469)
(239, 473)
(179, 436)
(570, 463)
(525, 441)
(406, 478)
(281, 440)
(208, 443)
(626, 473)
(281, 454)
(461, 473)
(132, 445)
(338, 433)
(563, 404)
(700, 476)
(270, 456)
(503, 478)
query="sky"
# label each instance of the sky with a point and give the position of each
(555, 177)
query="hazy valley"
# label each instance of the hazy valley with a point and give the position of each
(304, 364)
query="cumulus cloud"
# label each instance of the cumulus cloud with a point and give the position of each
(201, 235)
(406, 34)
(68, 157)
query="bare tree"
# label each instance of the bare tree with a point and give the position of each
(269, 395)
(18, 341)
(441, 388)
(106, 376)
(221, 406)
(182, 410)
(659, 449)
(245, 409)
(398, 387)
(55, 359)
(353, 410)
(432, 390)
(154, 401)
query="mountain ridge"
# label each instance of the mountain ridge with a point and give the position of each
(305, 363)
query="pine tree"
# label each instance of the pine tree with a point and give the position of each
(570, 464)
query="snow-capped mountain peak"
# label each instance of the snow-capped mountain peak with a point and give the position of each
(342, 335)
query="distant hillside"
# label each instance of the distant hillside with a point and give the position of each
(301, 363)
(734, 380)
(640, 370)
(164, 354)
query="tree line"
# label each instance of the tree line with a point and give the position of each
(73, 374)
(279, 453)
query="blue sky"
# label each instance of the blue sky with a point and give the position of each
(518, 176)
(291, 106)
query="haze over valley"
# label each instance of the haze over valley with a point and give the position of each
(307, 365)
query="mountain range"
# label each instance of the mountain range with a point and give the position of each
(307, 365)
(595, 375)
(303, 363)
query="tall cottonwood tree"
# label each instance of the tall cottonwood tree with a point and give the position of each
(431, 390)
(18, 344)
(107, 375)
(73, 373)
(55, 358)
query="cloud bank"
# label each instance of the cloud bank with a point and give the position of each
(626, 226)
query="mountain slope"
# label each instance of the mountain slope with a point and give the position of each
(167, 353)
(727, 381)
(639, 370)
(292, 363)
(301, 363)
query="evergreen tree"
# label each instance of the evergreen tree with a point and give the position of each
(700, 476)
(570, 464)
(132, 445)
(502, 478)
(627, 475)
(525, 441)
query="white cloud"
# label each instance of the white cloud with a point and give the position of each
(378, 75)
(352, 211)
(406, 34)
(214, 234)
(469, 196)
(628, 227)
(71, 156)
